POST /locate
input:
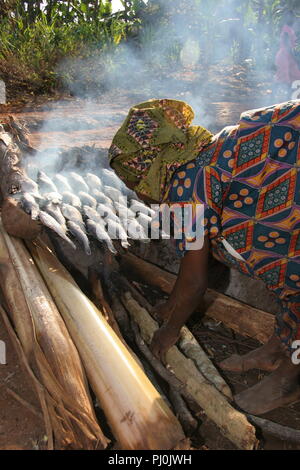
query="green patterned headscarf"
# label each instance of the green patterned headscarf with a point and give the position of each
(155, 139)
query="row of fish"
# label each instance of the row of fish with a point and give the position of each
(83, 207)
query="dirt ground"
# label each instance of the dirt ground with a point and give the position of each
(20, 428)
(76, 122)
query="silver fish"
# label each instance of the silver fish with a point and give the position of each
(78, 233)
(114, 194)
(30, 205)
(77, 182)
(123, 211)
(101, 197)
(62, 183)
(107, 212)
(51, 223)
(93, 181)
(30, 186)
(144, 220)
(45, 183)
(92, 214)
(138, 206)
(87, 200)
(117, 232)
(111, 179)
(72, 199)
(136, 231)
(73, 214)
(54, 210)
(55, 198)
(98, 231)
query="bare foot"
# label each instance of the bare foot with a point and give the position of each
(280, 388)
(268, 357)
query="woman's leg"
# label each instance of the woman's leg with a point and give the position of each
(282, 387)
(268, 357)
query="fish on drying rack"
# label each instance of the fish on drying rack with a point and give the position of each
(55, 212)
(77, 182)
(45, 184)
(101, 197)
(117, 232)
(72, 214)
(139, 207)
(62, 183)
(52, 224)
(30, 205)
(93, 181)
(111, 179)
(71, 199)
(107, 212)
(97, 230)
(114, 194)
(30, 186)
(136, 231)
(93, 206)
(87, 200)
(92, 214)
(53, 197)
(79, 235)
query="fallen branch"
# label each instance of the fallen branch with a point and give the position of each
(159, 368)
(283, 433)
(122, 318)
(188, 422)
(192, 349)
(153, 378)
(125, 285)
(232, 423)
(245, 320)
(177, 389)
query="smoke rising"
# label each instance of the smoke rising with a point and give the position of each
(171, 58)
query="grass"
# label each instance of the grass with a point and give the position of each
(30, 55)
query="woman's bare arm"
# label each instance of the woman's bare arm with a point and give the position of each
(186, 295)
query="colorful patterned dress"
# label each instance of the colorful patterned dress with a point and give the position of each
(248, 180)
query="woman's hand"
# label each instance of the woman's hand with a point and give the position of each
(163, 310)
(163, 339)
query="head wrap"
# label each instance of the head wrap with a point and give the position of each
(155, 139)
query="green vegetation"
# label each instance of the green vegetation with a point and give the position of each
(35, 36)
